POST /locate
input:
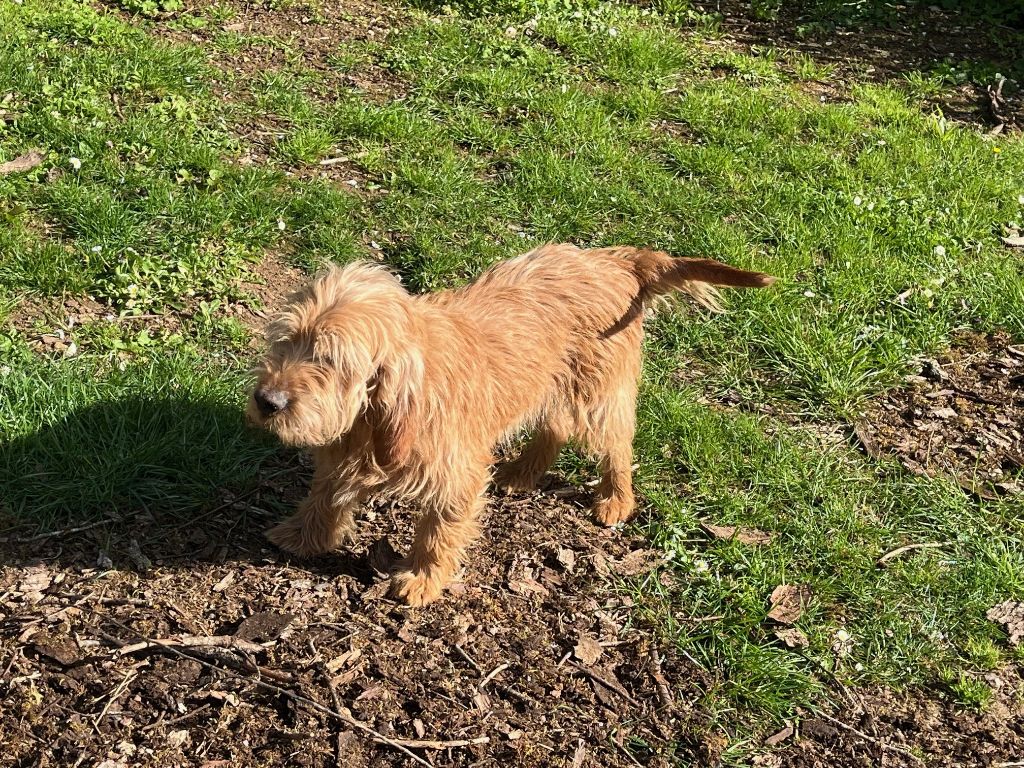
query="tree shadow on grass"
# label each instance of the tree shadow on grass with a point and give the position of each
(962, 49)
(145, 480)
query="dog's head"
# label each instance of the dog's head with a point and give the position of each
(340, 349)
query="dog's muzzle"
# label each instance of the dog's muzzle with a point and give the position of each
(270, 401)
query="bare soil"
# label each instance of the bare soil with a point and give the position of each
(532, 656)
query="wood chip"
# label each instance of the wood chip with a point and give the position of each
(527, 586)
(224, 583)
(567, 559)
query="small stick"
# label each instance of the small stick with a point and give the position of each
(900, 550)
(193, 641)
(606, 683)
(338, 708)
(661, 684)
(498, 669)
(52, 534)
(431, 744)
(881, 744)
(111, 601)
(469, 659)
(118, 690)
(182, 718)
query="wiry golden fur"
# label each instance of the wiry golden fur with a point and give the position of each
(411, 394)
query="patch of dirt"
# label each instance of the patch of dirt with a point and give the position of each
(923, 39)
(51, 323)
(296, 38)
(962, 416)
(531, 659)
(266, 287)
(890, 727)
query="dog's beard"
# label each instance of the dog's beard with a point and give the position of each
(313, 419)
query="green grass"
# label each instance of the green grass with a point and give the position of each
(597, 124)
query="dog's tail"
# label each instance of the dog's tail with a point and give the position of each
(659, 273)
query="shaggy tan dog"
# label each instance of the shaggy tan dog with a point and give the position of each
(409, 395)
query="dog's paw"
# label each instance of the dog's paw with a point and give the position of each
(417, 588)
(295, 536)
(614, 510)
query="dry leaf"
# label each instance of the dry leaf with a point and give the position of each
(177, 738)
(788, 602)
(792, 637)
(264, 626)
(1011, 615)
(25, 162)
(587, 650)
(382, 556)
(751, 536)
(527, 586)
(637, 562)
(1016, 241)
(35, 579)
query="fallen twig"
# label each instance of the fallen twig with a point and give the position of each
(219, 652)
(878, 742)
(196, 641)
(342, 714)
(176, 720)
(52, 534)
(900, 550)
(469, 659)
(494, 673)
(615, 687)
(660, 683)
(431, 744)
(111, 601)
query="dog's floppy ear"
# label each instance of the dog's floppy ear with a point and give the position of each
(395, 399)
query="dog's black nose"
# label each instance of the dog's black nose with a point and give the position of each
(270, 401)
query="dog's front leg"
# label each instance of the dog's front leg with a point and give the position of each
(325, 518)
(448, 526)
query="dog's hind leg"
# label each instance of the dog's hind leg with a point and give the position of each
(325, 518)
(447, 527)
(540, 453)
(610, 437)
(605, 412)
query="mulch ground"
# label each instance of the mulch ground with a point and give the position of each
(961, 416)
(148, 644)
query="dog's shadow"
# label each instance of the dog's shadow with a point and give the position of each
(144, 480)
